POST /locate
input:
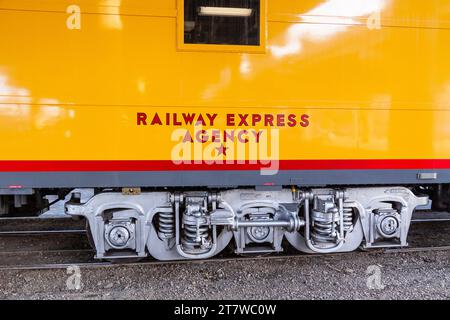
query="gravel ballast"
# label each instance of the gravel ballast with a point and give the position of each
(423, 275)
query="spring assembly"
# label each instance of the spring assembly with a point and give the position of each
(325, 225)
(196, 237)
(348, 219)
(166, 225)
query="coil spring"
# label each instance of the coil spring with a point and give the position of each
(323, 224)
(195, 237)
(348, 219)
(166, 225)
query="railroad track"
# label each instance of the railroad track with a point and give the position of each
(40, 233)
(83, 256)
(104, 264)
(40, 226)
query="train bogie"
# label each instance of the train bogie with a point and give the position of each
(200, 224)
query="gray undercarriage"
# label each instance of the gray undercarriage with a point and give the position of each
(201, 224)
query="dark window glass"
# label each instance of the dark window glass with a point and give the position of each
(233, 22)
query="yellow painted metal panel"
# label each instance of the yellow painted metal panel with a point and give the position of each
(371, 91)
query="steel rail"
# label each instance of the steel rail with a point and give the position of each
(24, 252)
(40, 233)
(103, 264)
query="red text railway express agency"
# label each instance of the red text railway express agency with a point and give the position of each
(232, 119)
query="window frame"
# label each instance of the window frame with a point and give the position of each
(261, 48)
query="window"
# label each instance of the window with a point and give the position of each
(223, 22)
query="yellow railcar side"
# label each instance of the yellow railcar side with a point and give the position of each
(364, 89)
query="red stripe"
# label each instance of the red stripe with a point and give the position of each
(167, 165)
